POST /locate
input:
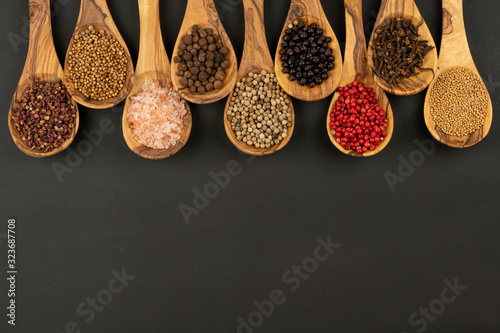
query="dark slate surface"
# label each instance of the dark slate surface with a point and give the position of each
(431, 241)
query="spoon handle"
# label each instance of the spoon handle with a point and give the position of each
(201, 9)
(256, 53)
(397, 7)
(93, 11)
(301, 8)
(355, 48)
(152, 54)
(42, 56)
(454, 40)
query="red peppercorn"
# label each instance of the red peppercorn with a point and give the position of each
(356, 120)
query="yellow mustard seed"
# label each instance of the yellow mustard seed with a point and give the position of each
(458, 102)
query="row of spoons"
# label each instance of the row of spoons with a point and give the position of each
(153, 61)
(42, 63)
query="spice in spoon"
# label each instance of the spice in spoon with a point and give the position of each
(398, 53)
(306, 54)
(259, 111)
(356, 120)
(155, 115)
(202, 60)
(97, 64)
(45, 115)
(458, 102)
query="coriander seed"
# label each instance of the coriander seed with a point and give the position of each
(97, 65)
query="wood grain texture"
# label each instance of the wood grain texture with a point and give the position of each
(256, 57)
(41, 62)
(356, 69)
(152, 64)
(204, 14)
(96, 13)
(455, 52)
(391, 9)
(310, 11)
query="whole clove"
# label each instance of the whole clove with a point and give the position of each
(45, 116)
(398, 53)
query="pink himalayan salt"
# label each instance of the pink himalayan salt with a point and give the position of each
(155, 115)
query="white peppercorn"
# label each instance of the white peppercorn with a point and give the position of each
(258, 110)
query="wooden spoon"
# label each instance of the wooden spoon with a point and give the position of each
(455, 52)
(152, 64)
(256, 58)
(41, 62)
(309, 11)
(390, 9)
(204, 14)
(356, 69)
(96, 13)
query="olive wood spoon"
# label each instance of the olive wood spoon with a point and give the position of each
(390, 9)
(256, 58)
(455, 52)
(204, 14)
(41, 62)
(309, 11)
(152, 64)
(96, 13)
(356, 69)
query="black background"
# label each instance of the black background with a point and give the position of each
(116, 210)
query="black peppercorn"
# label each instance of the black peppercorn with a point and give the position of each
(306, 55)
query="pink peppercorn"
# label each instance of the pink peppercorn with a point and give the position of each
(356, 121)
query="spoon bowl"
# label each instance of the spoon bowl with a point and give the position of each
(455, 52)
(41, 63)
(252, 150)
(309, 11)
(407, 9)
(152, 64)
(356, 69)
(140, 149)
(96, 13)
(256, 58)
(204, 14)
